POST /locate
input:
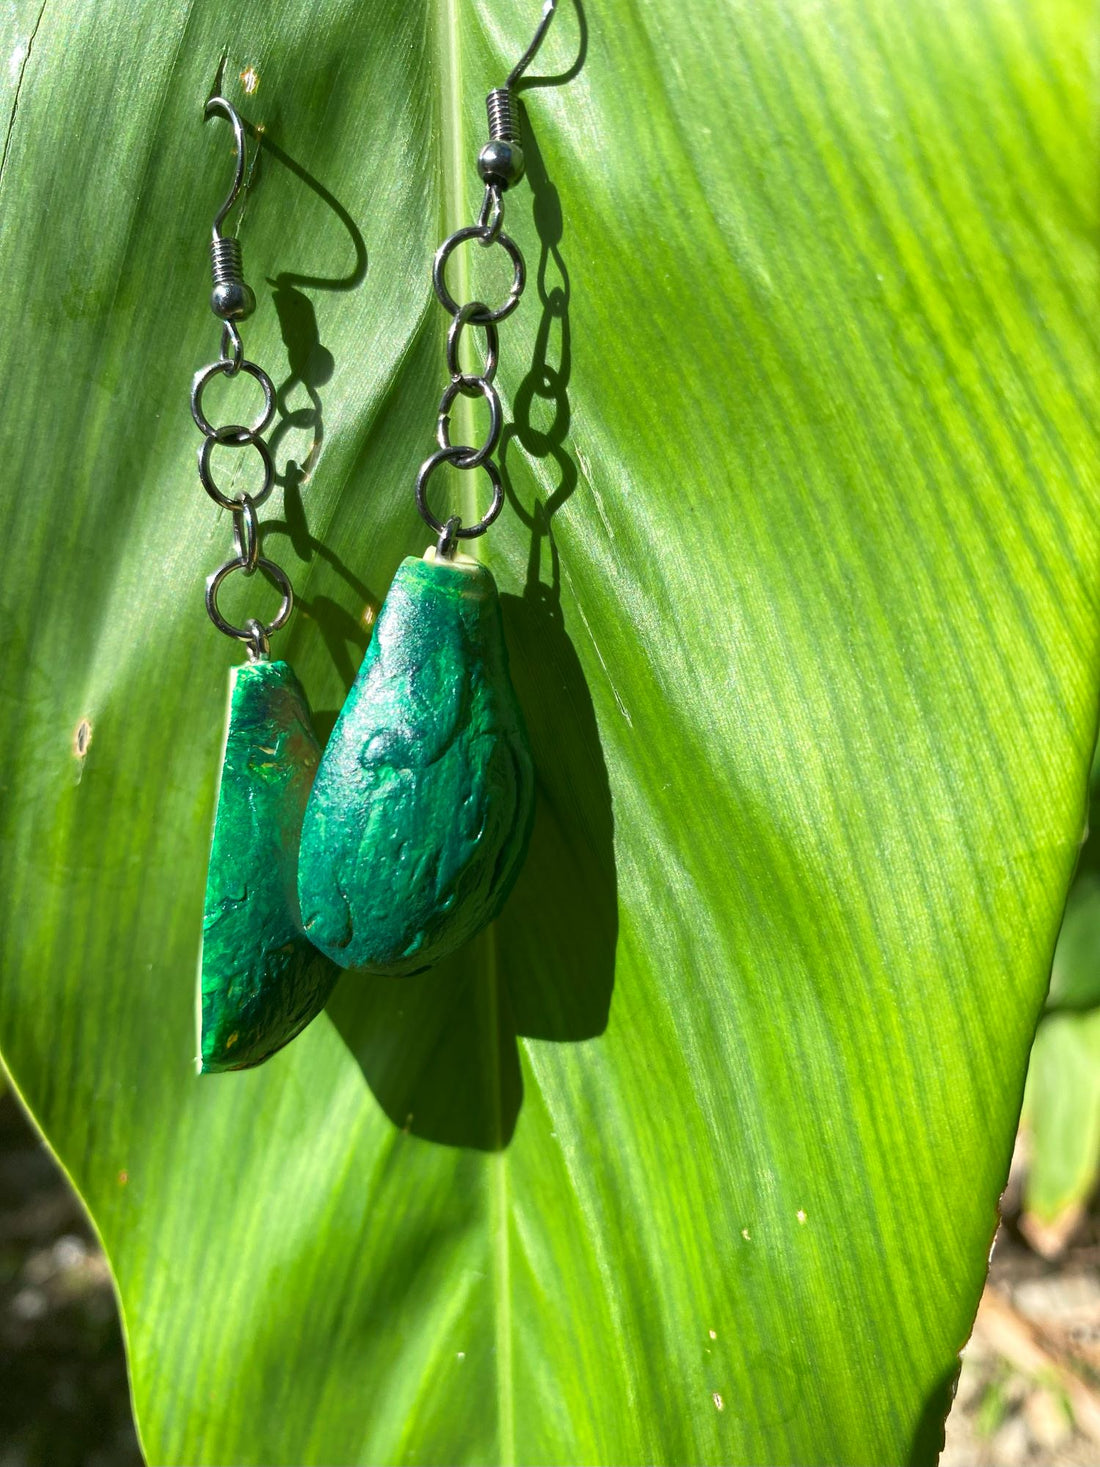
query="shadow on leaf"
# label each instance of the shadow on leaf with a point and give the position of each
(311, 366)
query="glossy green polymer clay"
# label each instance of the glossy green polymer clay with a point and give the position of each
(421, 810)
(261, 980)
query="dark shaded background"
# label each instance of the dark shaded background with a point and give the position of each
(64, 1401)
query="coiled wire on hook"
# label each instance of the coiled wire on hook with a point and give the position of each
(503, 122)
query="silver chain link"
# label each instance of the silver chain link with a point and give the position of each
(500, 164)
(231, 301)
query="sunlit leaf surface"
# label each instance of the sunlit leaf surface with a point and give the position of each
(695, 1156)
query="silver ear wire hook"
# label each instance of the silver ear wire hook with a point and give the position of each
(529, 55)
(230, 113)
(232, 300)
(500, 162)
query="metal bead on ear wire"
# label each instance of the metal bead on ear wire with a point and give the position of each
(500, 161)
(231, 298)
(260, 980)
(420, 815)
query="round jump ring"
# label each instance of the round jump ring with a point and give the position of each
(216, 369)
(456, 455)
(233, 434)
(439, 273)
(468, 385)
(463, 316)
(247, 633)
(246, 533)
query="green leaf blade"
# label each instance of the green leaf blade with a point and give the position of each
(810, 678)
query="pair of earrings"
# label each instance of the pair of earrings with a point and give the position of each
(401, 840)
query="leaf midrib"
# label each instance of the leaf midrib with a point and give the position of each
(454, 163)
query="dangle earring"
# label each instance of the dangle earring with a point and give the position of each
(421, 812)
(260, 980)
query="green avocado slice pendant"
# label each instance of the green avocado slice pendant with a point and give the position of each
(419, 818)
(261, 980)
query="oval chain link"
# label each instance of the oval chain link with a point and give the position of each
(246, 535)
(454, 334)
(468, 388)
(487, 231)
(246, 522)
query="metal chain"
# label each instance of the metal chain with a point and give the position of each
(500, 164)
(231, 301)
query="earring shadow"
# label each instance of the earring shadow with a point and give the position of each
(311, 365)
(439, 1050)
(566, 902)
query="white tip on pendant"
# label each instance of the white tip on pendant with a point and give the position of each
(456, 561)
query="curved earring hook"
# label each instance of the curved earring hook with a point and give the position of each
(229, 112)
(549, 6)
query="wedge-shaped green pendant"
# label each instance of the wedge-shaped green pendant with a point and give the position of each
(261, 980)
(421, 810)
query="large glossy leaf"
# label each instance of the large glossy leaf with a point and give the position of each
(695, 1156)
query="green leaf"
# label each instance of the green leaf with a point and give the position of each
(695, 1156)
(1062, 1094)
(1075, 976)
(1062, 1110)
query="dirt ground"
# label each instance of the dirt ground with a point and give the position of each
(1029, 1392)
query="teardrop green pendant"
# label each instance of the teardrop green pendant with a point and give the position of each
(419, 818)
(261, 980)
